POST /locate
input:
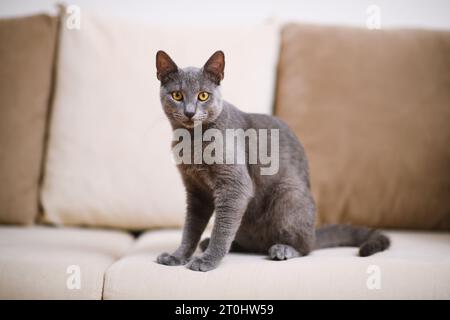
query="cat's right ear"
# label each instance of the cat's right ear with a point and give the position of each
(164, 65)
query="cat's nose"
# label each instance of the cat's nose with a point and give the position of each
(189, 113)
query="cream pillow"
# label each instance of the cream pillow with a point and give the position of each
(109, 161)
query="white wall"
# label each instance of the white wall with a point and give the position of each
(394, 13)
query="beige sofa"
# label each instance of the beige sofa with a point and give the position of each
(89, 196)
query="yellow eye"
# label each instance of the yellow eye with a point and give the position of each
(177, 95)
(203, 96)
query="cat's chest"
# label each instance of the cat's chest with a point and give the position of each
(202, 174)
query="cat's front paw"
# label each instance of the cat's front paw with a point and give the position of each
(170, 260)
(202, 264)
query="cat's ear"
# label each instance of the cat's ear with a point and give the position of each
(164, 65)
(215, 66)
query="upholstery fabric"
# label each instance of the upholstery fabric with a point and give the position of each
(372, 108)
(36, 262)
(417, 266)
(27, 52)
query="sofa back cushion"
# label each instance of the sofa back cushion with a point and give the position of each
(373, 111)
(109, 160)
(26, 59)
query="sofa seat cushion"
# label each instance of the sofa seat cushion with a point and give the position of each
(416, 266)
(44, 262)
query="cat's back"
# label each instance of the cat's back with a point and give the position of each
(287, 137)
(254, 120)
(291, 152)
(237, 118)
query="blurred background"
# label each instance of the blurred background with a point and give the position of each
(394, 13)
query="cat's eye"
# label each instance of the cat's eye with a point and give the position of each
(203, 96)
(177, 96)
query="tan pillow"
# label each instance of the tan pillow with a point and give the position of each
(373, 111)
(26, 58)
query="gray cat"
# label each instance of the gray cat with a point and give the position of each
(269, 214)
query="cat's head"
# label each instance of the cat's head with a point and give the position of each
(191, 95)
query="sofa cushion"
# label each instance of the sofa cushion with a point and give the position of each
(43, 262)
(417, 266)
(26, 59)
(109, 160)
(372, 108)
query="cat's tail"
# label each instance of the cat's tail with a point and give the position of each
(368, 240)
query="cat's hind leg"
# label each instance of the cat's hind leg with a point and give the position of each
(203, 244)
(276, 252)
(282, 252)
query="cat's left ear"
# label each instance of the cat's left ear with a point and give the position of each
(215, 66)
